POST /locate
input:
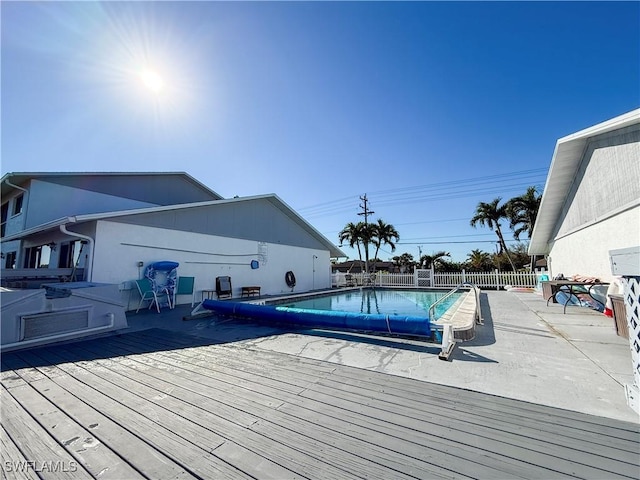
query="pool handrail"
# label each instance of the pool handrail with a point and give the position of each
(432, 311)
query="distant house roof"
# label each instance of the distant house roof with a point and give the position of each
(541, 263)
(161, 188)
(356, 266)
(564, 166)
(130, 214)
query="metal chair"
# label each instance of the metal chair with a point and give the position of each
(223, 287)
(147, 292)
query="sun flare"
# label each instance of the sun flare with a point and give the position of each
(152, 81)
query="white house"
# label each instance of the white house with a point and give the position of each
(591, 200)
(109, 226)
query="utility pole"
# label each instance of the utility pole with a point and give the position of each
(366, 212)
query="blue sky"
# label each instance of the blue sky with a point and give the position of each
(427, 107)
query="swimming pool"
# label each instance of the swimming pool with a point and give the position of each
(378, 301)
(404, 312)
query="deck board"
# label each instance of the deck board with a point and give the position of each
(9, 452)
(160, 404)
(530, 453)
(441, 406)
(316, 437)
(362, 424)
(405, 387)
(35, 444)
(437, 396)
(95, 457)
(445, 403)
(143, 421)
(232, 424)
(246, 396)
(545, 444)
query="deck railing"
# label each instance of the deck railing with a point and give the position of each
(34, 277)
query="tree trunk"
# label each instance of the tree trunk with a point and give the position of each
(375, 257)
(359, 255)
(366, 256)
(503, 246)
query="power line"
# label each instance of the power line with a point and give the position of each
(471, 181)
(429, 198)
(430, 187)
(453, 236)
(400, 194)
(455, 241)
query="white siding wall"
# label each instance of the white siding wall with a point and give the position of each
(607, 180)
(119, 248)
(586, 251)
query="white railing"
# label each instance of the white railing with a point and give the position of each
(495, 279)
(384, 279)
(427, 278)
(380, 279)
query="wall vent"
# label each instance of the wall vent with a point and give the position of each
(53, 323)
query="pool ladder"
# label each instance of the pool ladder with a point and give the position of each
(448, 341)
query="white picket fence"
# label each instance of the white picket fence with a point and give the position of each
(428, 278)
(495, 279)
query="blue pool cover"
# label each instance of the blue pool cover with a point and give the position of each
(398, 324)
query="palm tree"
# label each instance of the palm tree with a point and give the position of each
(384, 233)
(367, 235)
(404, 261)
(523, 211)
(430, 260)
(352, 233)
(478, 259)
(490, 214)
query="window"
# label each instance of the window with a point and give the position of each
(69, 254)
(17, 204)
(5, 214)
(10, 260)
(37, 257)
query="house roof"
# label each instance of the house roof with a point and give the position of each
(358, 265)
(95, 181)
(565, 163)
(271, 198)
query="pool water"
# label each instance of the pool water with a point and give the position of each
(415, 303)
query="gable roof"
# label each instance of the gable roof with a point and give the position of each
(160, 188)
(565, 163)
(129, 214)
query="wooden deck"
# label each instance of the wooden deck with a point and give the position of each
(161, 404)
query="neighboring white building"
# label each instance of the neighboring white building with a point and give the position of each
(591, 201)
(107, 224)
